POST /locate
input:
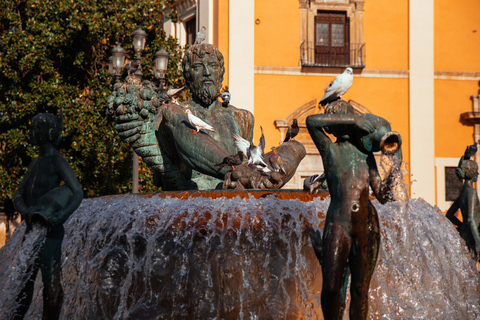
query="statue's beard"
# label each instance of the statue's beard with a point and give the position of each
(206, 92)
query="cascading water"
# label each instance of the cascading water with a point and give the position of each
(17, 267)
(247, 255)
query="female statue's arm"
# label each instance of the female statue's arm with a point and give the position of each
(451, 213)
(66, 174)
(381, 189)
(472, 214)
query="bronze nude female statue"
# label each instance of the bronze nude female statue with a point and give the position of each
(468, 204)
(351, 236)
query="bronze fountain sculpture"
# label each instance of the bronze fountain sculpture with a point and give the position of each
(468, 203)
(233, 254)
(47, 195)
(351, 235)
(181, 160)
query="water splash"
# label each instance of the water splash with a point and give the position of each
(131, 256)
(17, 264)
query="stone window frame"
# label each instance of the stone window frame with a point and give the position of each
(353, 10)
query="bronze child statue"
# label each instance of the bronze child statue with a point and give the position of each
(467, 202)
(351, 236)
(48, 194)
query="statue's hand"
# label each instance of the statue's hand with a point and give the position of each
(364, 124)
(134, 106)
(128, 127)
(246, 177)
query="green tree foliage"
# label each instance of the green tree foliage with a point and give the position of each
(54, 53)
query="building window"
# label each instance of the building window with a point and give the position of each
(453, 185)
(190, 30)
(331, 34)
(332, 39)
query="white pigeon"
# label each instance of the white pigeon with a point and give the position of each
(198, 123)
(254, 153)
(201, 35)
(338, 87)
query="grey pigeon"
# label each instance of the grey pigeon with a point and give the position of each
(132, 66)
(276, 162)
(201, 36)
(163, 96)
(470, 151)
(338, 87)
(170, 93)
(233, 160)
(315, 183)
(292, 131)
(254, 153)
(174, 93)
(226, 98)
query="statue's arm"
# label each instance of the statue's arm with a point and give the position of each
(199, 151)
(381, 189)
(19, 197)
(66, 174)
(472, 215)
(451, 213)
(315, 125)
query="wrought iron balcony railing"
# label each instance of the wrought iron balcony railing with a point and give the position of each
(350, 55)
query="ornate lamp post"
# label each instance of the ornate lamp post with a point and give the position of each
(139, 37)
(160, 65)
(116, 62)
(115, 66)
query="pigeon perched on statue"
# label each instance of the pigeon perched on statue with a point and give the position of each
(315, 183)
(174, 93)
(201, 36)
(198, 123)
(470, 151)
(170, 93)
(233, 160)
(226, 98)
(338, 87)
(163, 96)
(276, 162)
(254, 153)
(292, 131)
(131, 67)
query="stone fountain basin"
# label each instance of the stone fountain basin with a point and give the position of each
(247, 255)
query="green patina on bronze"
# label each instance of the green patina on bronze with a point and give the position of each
(351, 236)
(467, 203)
(47, 195)
(162, 135)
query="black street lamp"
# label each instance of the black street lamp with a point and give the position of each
(139, 37)
(160, 65)
(116, 62)
(115, 66)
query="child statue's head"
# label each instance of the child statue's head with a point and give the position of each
(340, 107)
(46, 127)
(468, 170)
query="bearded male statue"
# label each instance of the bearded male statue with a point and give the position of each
(180, 158)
